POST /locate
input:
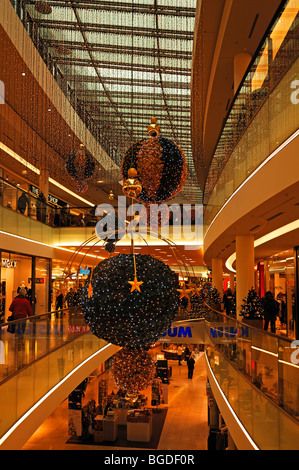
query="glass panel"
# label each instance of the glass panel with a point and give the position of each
(262, 116)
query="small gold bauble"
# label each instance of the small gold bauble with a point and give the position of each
(132, 173)
(153, 129)
(111, 195)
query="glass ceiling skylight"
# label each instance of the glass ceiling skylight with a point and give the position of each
(124, 62)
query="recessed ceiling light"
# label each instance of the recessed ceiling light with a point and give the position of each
(23, 73)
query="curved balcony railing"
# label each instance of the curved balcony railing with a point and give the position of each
(256, 370)
(263, 115)
(41, 352)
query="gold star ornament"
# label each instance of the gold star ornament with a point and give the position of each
(184, 292)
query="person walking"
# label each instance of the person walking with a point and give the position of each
(180, 353)
(187, 354)
(271, 309)
(191, 363)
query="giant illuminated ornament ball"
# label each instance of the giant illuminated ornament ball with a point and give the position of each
(128, 306)
(160, 166)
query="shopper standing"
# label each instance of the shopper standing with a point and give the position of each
(187, 354)
(180, 353)
(271, 309)
(191, 363)
(227, 301)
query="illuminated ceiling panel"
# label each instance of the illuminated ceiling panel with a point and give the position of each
(123, 62)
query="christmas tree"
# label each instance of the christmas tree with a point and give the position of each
(252, 306)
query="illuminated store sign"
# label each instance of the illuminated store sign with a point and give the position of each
(181, 332)
(6, 263)
(185, 332)
(52, 199)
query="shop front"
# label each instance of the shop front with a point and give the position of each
(282, 281)
(31, 273)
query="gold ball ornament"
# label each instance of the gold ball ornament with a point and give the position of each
(111, 196)
(153, 129)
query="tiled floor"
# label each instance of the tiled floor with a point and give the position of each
(185, 427)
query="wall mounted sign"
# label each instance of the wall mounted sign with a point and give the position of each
(6, 263)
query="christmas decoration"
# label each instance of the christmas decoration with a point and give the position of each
(161, 167)
(132, 187)
(43, 8)
(80, 166)
(252, 307)
(133, 370)
(126, 316)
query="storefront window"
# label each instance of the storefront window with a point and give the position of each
(282, 284)
(16, 272)
(42, 277)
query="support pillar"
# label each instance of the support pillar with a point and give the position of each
(217, 275)
(241, 63)
(244, 268)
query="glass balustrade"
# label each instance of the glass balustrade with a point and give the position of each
(25, 341)
(264, 114)
(37, 356)
(247, 361)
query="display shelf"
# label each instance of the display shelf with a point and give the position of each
(139, 425)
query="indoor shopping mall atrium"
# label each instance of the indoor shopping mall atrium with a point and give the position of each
(149, 227)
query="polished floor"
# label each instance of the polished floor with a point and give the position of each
(185, 426)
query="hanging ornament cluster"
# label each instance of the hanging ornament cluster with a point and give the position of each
(134, 300)
(80, 166)
(160, 164)
(43, 8)
(133, 370)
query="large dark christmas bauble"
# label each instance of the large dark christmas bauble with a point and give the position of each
(125, 318)
(161, 168)
(80, 166)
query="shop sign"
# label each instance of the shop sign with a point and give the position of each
(229, 332)
(185, 332)
(38, 280)
(51, 198)
(6, 263)
(84, 272)
(181, 332)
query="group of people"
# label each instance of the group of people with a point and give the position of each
(70, 300)
(189, 357)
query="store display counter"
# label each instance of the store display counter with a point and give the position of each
(110, 425)
(139, 425)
